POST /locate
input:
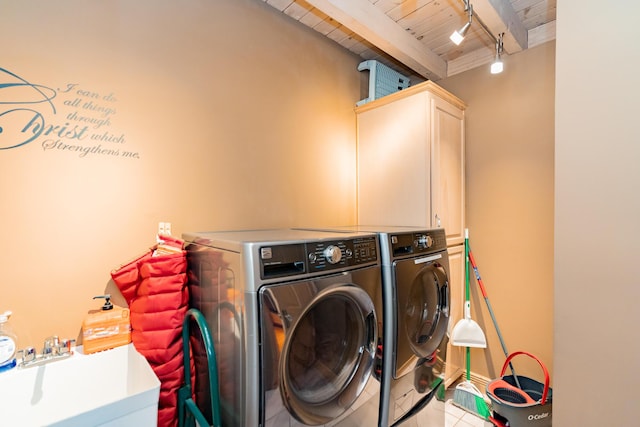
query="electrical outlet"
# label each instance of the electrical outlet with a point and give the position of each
(164, 228)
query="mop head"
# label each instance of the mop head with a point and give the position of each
(468, 397)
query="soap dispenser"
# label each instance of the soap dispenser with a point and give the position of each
(8, 342)
(106, 328)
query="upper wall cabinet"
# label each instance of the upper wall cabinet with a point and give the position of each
(411, 160)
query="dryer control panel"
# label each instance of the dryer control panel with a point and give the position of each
(318, 256)
(418, 242)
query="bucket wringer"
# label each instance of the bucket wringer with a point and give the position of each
(525, 403)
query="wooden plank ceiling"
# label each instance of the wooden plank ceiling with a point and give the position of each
(412, 36)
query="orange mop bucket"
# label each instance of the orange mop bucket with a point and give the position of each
(528, 405)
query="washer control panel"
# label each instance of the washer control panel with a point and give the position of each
(326, 255)
(281, 260)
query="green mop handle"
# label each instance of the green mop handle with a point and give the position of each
(466, 265)
(466, 294)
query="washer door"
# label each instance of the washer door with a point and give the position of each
(328, 356)
(423, 303)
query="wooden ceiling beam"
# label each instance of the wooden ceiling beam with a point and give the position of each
(366, 20)
(500, 17)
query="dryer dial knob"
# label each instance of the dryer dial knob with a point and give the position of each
(333, 254)
(425, 241)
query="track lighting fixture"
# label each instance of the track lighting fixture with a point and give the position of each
(458, 35)
(497, 66)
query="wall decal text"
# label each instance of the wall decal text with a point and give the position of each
(73, 119)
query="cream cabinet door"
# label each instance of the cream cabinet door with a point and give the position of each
(454, 367)
(411, 161)
(447, 170)
(394, 177)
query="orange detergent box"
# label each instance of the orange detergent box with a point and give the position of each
(106, 328)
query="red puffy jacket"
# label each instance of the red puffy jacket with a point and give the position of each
(155, 287)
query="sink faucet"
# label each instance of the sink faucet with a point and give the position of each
(54, 349)
(51, 345)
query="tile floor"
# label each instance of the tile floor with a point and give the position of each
(446, 414)
(456, 417)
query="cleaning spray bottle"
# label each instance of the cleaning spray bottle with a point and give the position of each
(106, 328)
(8, 342)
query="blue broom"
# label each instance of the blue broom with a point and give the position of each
(466, 395)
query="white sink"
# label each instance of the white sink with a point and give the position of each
(112, 388)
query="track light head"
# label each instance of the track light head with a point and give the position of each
(497, 65)
(458, 35)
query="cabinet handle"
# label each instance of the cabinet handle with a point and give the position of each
(438, 224)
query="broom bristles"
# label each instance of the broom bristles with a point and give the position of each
(466, 396)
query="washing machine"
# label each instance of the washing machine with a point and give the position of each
(416, 295)
(297, 320)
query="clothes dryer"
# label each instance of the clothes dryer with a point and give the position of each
(297, 319)
(416, 295)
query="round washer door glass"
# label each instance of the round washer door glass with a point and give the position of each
(427, 310)
(328, 357)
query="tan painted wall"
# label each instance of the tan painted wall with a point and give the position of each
(233, 117)
(597, 286)
(510, 173)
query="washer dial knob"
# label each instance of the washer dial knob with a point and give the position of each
(333, 254)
